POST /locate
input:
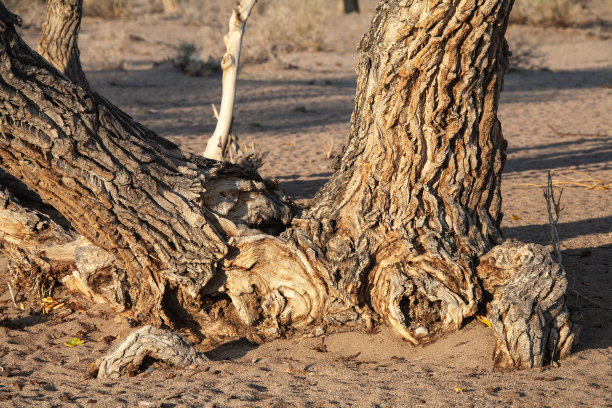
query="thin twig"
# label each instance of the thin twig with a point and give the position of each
(330, 151)
(215, 112)
(588, 299)
(12, 295)
(553, 206)
(563, 134)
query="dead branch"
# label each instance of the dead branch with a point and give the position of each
(219, 141)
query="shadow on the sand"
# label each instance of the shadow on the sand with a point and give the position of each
(568, 152)
(231, 350)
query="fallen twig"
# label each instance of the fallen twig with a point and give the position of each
(564, 134)
(12, 295)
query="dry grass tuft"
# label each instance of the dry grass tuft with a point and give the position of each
(274, 28)
(558, 13)
(282, 26)
(188, 61)
(107, 8)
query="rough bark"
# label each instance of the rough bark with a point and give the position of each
(348, 6)
(416, 196)
(396, 234)
(121, 186)
(527, 309)
(58, 41)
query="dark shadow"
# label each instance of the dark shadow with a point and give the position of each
(519, 83)
(22, 322)
(232, 350)
(575, 152)
(299, 189)
(589, 275)
(540, 233)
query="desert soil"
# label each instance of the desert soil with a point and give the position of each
(556, 115)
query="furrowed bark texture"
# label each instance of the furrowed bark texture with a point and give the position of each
(396, 234)
(527, 312)
(58, 41)
(416, 197)
(122, 187)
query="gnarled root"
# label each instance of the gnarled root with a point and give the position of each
(528, 312)
(149, 341)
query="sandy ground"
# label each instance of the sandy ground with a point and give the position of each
(556, 115)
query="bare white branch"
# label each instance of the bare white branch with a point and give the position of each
(218, 143)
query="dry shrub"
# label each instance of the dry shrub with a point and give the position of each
(189, 61)
(561, 13)
(107, 8)
(282, 26)
(18, 6)
(275, 26)
(31, 11)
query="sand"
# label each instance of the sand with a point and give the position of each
(556, 115)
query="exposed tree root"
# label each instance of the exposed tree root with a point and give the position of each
(150, 342)
(527, 310)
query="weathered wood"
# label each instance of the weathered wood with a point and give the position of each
(527, 310)
(396, 234)
(416, 196)
(58, 41)
(120, 185)
(149, 342)
(220, 144)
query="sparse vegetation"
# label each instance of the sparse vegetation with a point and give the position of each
(107, 8)
(561, 13)
(288, 26)
(189, 61)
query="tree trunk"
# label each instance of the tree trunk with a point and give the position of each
(348, 6)
(396, 234)
(59, 38)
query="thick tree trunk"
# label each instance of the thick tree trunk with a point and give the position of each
(59, 38)
(397, 233)
(348, 6)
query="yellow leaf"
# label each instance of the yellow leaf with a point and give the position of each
(74, 342)
(21, 306)
(458, 390)
(483, 320)
(516, 217)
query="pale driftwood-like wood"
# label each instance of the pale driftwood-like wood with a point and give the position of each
(148, 341)
(35, 244)
(218, 146)
(396, 234)
(58, 41)
(528, 311)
